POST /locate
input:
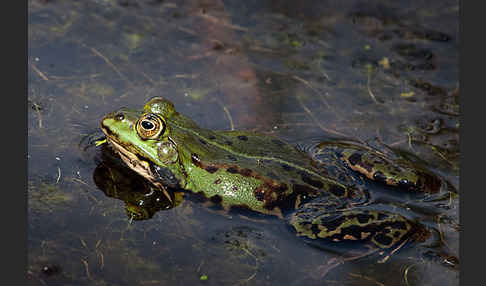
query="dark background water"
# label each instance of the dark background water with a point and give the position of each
(300, 70)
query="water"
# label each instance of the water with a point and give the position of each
(370, 70)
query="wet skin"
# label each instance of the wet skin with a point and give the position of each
(260, 173)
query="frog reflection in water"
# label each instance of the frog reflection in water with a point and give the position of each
(320, 196)
(141, 201)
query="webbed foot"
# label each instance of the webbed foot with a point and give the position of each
(358, 227)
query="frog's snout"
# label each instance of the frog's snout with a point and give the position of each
(105, 124)
(109, 119)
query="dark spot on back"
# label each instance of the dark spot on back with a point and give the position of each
(259, 193)
(199, 197)
(355, 158)
(337, 190)
(332, 222)
(315, 229)
(286, 167)
(353, 230)
(399, 225)
(379, 177)
(363, 218)
(382, 216)
(217, 199)
(281, 188)
(202, 141)
(273, 195)
(195, 160)
(211, 137)
(278, 142)
(310, 181)
(243, 137)
(211, 169)
(383, 239)
(232, 158)
(303, 189)
(246, 172)
(232, 170)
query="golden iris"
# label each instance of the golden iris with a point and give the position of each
(150, 126)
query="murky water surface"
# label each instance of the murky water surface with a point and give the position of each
(377, 71)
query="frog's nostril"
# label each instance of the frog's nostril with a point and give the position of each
(119, 116)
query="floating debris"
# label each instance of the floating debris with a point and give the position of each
(100, 142)
(407, 94)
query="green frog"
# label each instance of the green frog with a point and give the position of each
(321, 196)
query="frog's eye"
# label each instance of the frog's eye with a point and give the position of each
(150, 126)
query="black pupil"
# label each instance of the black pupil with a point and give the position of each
(147, 125)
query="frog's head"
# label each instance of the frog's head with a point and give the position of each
(141, 137)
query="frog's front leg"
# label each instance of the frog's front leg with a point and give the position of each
(361, 227)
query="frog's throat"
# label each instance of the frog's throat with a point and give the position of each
(260, 157)
(139, 165)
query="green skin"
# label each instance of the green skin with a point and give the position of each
(240, 169)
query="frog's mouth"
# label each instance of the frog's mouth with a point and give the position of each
(137, 163)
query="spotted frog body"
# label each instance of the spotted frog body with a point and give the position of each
(247, 170)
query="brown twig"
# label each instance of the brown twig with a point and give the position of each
(108, 62)
(405, 273)
(306, 83)
(369, 88)
(401, 141)
(41, 74)
(228, 114)
(366, 278)
(223, 23)
(307, 110)
(58, 175)
(86, 268)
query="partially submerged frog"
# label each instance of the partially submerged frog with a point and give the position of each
(319, 196)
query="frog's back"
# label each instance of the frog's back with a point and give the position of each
(265, 148)
(269, 170)
(258, 153)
